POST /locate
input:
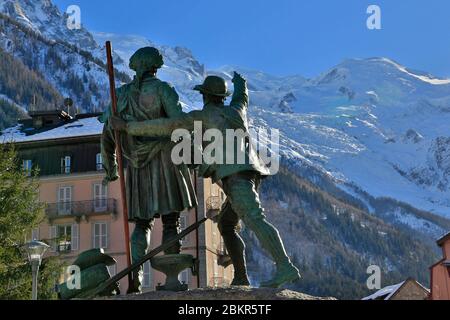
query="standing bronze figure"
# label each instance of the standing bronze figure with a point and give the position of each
(240, 181)
(155, 187)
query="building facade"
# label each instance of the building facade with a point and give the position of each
(82, 213)
(440, 272)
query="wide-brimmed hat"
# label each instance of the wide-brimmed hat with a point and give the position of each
(215, 86)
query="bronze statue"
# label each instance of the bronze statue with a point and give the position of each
(155, 186)
(240, 181)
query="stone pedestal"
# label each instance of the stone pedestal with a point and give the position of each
(223, 294)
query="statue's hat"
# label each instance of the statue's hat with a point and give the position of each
(215, 86)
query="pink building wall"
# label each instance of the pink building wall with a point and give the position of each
(82, 190)
(440, 275)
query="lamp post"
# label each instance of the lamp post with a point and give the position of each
(35, 250)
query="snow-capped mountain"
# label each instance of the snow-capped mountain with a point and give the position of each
(36, 34)
(377, 130)
(46, 19)
(373, 124)
(371, 127)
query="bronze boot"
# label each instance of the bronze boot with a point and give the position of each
(270, 240)
(236, 250)
(140, 240)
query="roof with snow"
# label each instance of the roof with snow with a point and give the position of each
(388, 292)
(75, 128)
(443, 239)
(385, 293)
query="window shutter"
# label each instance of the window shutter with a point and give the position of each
(75, 241)
(99, 162)
(147, 275)
(68, 164)
(61, 194)
(53, 238)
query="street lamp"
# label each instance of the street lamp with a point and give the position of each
(35, 250)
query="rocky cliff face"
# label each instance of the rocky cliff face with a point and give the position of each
(71, 61)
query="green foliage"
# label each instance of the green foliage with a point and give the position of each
(24, 85)
(9, 114)
(20, 212)
(33, 69)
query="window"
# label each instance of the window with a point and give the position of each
(99, 162)
(27, 166)
(65, 237)
(100, 235)
(215, 268)
(147, 280)
(216, 273)
(222, 246)
(66, 163)
(183, 277)
(214, 236)
(65, 200)
(100, 195)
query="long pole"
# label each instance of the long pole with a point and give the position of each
(197, 249)
(112, 88)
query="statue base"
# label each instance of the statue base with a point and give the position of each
(171, 265)
(229, 294)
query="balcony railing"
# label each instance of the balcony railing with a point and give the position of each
(82, 208)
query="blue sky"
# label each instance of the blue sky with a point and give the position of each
(283, 37)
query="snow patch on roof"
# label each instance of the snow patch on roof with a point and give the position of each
(385, 293)
(78, 128)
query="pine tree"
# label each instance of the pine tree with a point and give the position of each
(20, 212)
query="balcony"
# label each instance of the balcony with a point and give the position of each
(81, 209)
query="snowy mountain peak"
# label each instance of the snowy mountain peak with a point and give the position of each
(389, 67)
(44, 17)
